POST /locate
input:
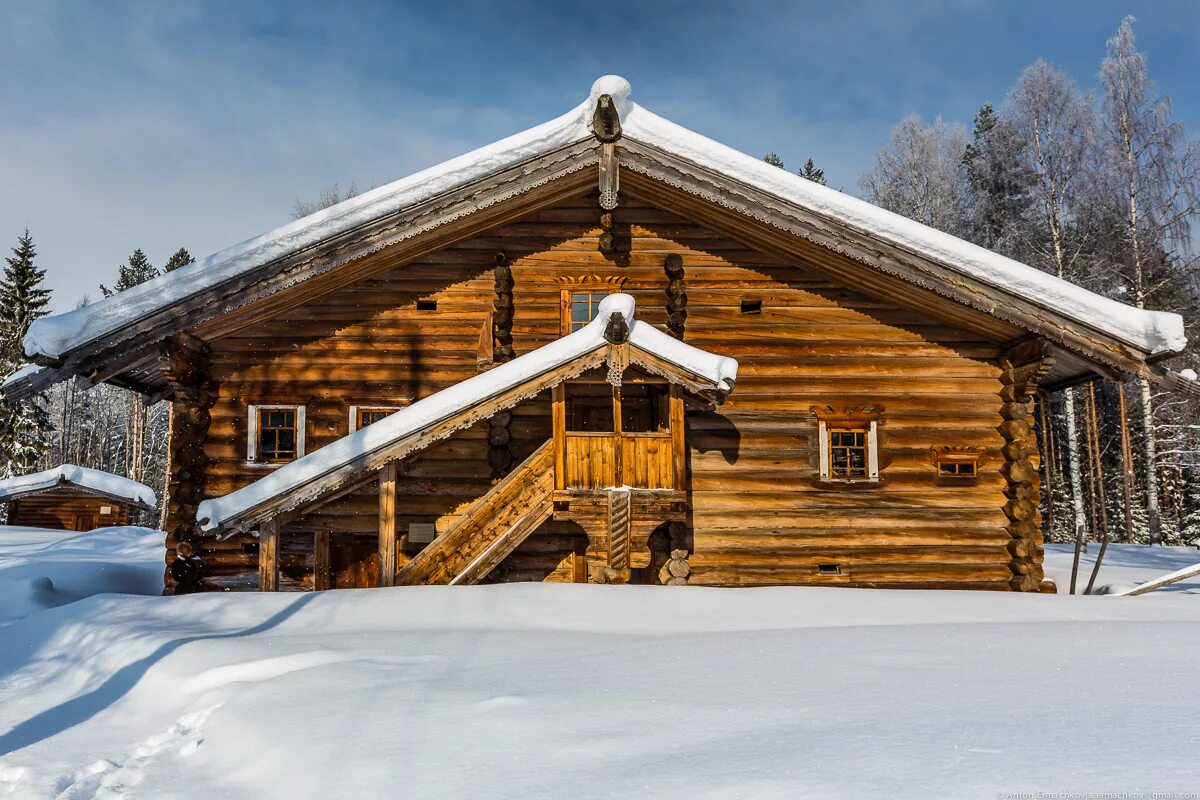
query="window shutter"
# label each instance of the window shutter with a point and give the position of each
(300, 428)
(252, 435)
(823, 448)
(873, 451)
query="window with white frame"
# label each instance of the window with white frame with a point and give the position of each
(362, 416)
(849, 449)
(274, 434)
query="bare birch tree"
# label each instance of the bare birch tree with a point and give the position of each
(1152, 169)
(920, 174)
(1053, 122)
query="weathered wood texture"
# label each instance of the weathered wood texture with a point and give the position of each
(758, 516)
(491, 528)
(67, 509)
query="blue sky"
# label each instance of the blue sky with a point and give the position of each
(199, 124)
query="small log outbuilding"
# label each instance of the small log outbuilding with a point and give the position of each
(73, 498)
(606, 349)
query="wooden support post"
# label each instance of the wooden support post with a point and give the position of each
(618, 444)
(321, 578)
(184, 362)
(1126, 463)
(678, 438)
(387, 525)
(1021, 368)
(268, 556)
(558, 422)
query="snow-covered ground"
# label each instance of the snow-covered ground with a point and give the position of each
(42, 568)
(539, 691)
(1124, 567)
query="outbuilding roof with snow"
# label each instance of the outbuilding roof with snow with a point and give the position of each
(109, 338)
(94, 481)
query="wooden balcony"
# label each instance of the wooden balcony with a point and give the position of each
(606, 460)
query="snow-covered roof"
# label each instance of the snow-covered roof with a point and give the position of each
(718, 371)
(1149, 331)
(21, 374)
(92, 480)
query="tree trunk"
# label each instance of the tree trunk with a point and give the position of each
(1151, 455)
(1076, 479)
(1126, 464)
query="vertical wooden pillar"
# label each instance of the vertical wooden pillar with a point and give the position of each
(678, 438)
(558, 422)
(268, 556)
(1021, 368)
(618, 440)
(321, 578)
(184, 362)
(387, 525)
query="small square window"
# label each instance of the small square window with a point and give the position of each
(362, 416)
(848, 448)
(752, 306)
(848, 452)
(957, 469)
(276, 434)
(427, 305)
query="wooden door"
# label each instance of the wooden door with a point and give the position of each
(85, 521)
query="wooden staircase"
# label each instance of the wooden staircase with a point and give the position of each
(490, 529)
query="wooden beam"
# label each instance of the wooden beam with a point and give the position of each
(387, 525)
(321, 578)
(268, 556)
(558, 422)
(678, 438)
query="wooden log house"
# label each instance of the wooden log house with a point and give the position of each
(73, 498)
(606, 349)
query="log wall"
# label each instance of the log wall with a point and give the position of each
(759, 513)
(67, 509)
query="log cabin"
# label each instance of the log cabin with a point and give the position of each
(609, 350)
(73, 498)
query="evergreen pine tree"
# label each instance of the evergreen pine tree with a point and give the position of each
(812, 172)
(24, 424)
(180, 258)
(774, 160)
(22, 299)
(998, 185)
(137, 270)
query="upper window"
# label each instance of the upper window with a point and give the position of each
(849, 446)
(584, 306)
(848, 452)
(275, 433)
(362, 416)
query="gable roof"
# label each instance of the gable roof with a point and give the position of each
(567, 144)
(94, 481)
(339, 464)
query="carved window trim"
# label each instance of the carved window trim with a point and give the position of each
(252, 430)
(831, 421)
(569, 286)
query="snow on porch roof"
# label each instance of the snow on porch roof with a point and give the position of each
(1149, 331)
(716, 371)
(92, 480)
